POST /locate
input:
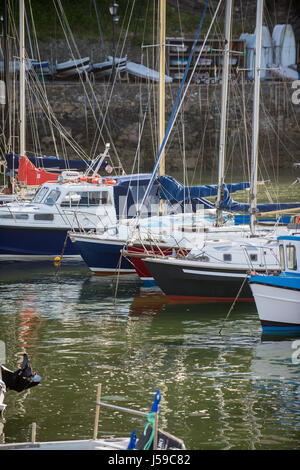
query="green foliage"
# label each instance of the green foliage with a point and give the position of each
(82, 18)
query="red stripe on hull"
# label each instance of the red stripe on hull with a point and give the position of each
(138, 262)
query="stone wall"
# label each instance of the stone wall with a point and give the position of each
(197, 127)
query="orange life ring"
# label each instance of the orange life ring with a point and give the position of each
(297, 219)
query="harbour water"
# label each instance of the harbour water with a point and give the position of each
(223, 385)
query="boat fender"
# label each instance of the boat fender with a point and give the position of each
(57, 261)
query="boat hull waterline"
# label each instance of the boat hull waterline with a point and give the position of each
(36, 243)
(181, 283)
(278, 302)
(102, 261)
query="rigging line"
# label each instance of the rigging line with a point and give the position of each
(99, 27)
(234, 302)
(66, 23)
(42, 73)
(42, 100)
(28, 33)
(145, 22)
(136, 157)
(272, 126)
(201, 144)
(122, 26)
(108, 102)
(178, 103)
(37, 87)
(115, 77)
(118, 268)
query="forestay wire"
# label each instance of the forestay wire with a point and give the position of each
(178, 102)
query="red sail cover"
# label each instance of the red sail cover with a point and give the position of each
(32, 176)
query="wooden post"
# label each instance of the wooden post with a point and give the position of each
(97, 411)
(33, 433)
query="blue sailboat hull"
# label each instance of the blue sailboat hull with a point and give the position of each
(103, 258)
(31, 243)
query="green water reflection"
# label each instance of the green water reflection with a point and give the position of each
(234, 390)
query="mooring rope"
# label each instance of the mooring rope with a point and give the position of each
(234, 302)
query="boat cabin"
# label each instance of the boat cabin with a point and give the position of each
(289, 251)
(65, 204)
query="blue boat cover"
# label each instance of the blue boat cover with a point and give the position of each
(229, 204)
(53, 163)
(173, 190)
(129, 192)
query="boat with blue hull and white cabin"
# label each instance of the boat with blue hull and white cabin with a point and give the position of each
(188, 215)
(38, 229)
(151, 240)
(277, 297)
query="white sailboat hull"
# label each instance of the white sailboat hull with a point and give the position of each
(276, 304)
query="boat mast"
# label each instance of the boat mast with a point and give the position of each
(22, 79)
(162, 62)
(6, 119)
(255, 124)
(222, 144)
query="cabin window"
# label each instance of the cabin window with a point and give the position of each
(43, 216)
(203, 258)
(52, 197)
(291, 257)
(71, 199)
(14, 216)
(253, 257)
(99, 197)
(40, 194)
(85, 198)
(227, 257)
(281, 255)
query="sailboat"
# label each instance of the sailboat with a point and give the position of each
(47, 168)
(158, 238)
(39, 229)
(219, 272)
(157, 234)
